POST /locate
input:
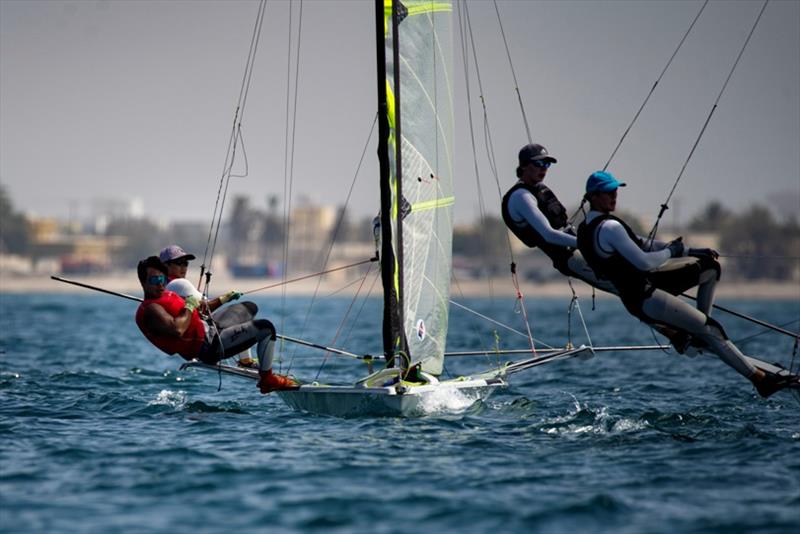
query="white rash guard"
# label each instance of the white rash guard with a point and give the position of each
(522, 206)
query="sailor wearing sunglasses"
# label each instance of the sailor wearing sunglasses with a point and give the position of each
(174, 324)
(535, 216)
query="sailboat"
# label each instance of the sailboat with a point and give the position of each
(415, 148)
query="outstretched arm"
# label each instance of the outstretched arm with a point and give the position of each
(522, 205)
(613, 237)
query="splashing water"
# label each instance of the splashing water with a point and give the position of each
(166, 397)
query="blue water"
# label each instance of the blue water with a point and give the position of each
(99, 432)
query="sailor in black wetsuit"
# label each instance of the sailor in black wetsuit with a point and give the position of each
(534, 214)
(647, 280)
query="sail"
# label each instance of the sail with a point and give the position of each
(420, 115)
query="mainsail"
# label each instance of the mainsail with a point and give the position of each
(417, 194)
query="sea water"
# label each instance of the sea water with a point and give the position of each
(99, 432)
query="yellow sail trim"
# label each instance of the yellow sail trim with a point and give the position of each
(433, 204)
(419, 7)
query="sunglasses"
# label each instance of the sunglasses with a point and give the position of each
(157, 280)
(180, 263)
(542, 164)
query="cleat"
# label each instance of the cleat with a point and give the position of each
(271, 382)
(772, 383)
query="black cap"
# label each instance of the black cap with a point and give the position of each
(534, 152)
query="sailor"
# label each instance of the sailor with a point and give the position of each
(174, 325)
(647, 278)
(534, 214)
(177, 262)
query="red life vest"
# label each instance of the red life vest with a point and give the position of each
(187, 345)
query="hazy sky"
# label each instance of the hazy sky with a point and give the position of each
(109, 99)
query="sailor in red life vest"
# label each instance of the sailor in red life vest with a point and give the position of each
(534, 214)
(647, 283)
(176, 261)
(173, 324)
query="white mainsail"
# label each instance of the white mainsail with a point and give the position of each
(421, 108)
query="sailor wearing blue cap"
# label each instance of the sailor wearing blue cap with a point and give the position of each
(649, 275)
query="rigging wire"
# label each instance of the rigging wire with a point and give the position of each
(767, 331)
(641, 108)
(514, 73)
(652, 89)
(326, 256)
(481, 201)
(466, 23)
(364, 301)
(665, 206)
(498, 323)
(341, 323)
(312, 275)
(288, 150)
(230, 154)
(514, 277)
(463, 20)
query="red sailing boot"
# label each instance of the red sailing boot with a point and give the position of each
(271, 382)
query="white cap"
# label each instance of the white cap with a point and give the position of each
(184, 288)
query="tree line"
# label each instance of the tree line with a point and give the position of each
(754, 244)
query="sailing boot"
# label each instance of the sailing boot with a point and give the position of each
(772, 383)
(247, 360)
(270, 381)
(679, 339)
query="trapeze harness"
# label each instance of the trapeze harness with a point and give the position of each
(555, 213)
(633, 284)
(190, 343)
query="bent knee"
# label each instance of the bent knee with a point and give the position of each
(265, 326)
(709, 267)
(251, 307)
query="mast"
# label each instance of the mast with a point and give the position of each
(416, 178)
(392, 315)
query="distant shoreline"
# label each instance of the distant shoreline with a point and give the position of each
(499, 287)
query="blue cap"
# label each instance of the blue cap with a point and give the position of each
(602, 182)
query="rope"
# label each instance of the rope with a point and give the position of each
(665, 206)
(760, 256)
(324, 261)
(312, 275)
(465, 20)
(513, 73)
(575, 304)
(767, 331)
(466, 23)
(652, 89)
(341, 324)
(230, 153)
(288, 150)
(473, 325)
(361, 309)
(641, 108)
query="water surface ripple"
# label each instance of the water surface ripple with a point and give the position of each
(101, 433)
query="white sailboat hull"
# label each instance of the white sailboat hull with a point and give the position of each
(347, 401)
(365, 399)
